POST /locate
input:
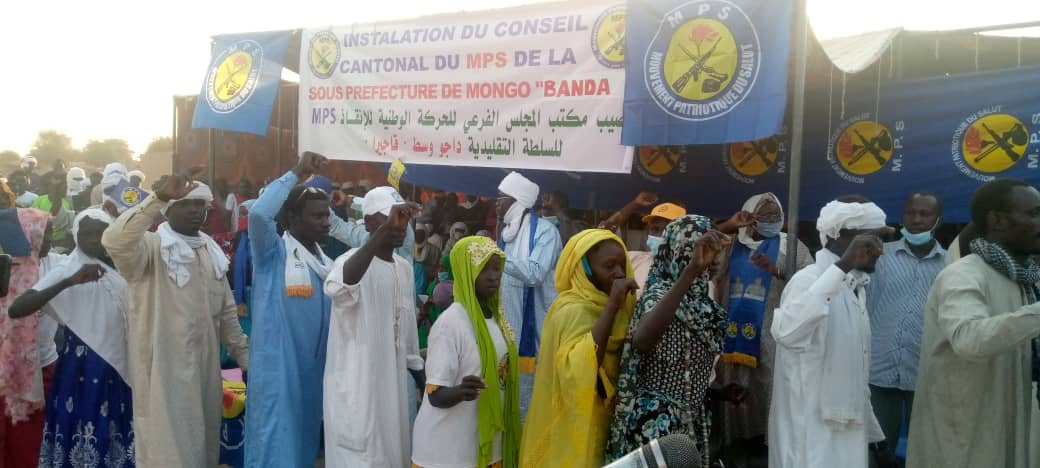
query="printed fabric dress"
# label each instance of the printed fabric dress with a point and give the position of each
(663, 392)
(89, 414)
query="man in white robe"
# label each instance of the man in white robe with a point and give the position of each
(181, 309)
(975, 401)
(532, 246)
(821, 415)
(373, 340)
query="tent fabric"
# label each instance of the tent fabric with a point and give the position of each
(854, 54)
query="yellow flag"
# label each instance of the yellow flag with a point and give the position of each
(396, 172)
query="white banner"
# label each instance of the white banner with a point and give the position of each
(534, 87)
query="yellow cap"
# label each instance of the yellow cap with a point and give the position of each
(668, 211)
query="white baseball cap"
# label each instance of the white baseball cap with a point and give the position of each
(380, 200)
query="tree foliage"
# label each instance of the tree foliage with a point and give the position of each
(10, 158)
(101, 152)
(160, 144)
(52, 145)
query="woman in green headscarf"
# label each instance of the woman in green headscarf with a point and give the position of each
(471, 413)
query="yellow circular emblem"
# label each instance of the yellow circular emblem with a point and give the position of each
(232, 75)
(754, 158)
(864, 147)
(749, 331)
(324, 54)
(659, 160)
(130, 196)
(731, 329)
(701, 60)
(608, 39)
(995, 143)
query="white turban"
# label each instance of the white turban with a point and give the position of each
(138, 174)
(201, 192)
(114, 168)
(74, 186)
(517, 186)
(26, 160)
(96, 214)
(837, 215)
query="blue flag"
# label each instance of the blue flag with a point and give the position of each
(126, 195)
(705, 71)
(242, 82)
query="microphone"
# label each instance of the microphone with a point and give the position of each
(670, 451)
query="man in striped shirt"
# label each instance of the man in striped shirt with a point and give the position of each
(896, 299)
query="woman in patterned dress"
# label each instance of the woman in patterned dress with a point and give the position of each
(674, 339)
(89, 413)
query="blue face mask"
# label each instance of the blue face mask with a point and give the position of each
(443, 276)
(552, 219)
(920, 238)
(653, 242)
(768, 230)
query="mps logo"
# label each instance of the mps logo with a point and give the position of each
(323, 55)
(234, 75)
(861, 146)
(749, 159)
(658, 161)
(130, 196)
(703, 61)
(608, 37)
(989, 142)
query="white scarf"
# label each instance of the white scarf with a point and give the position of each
(844, 400)
(525, 193)
(512, 222)
(744, 235)
(178, 253)
(104, 330)
(297, 261)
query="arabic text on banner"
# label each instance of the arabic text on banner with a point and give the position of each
(242, 82)
(706, 71)
(536, 87)
(946, 135)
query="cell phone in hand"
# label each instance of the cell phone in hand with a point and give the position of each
(5, 274)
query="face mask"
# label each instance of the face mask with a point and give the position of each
(443, 276)
(552, 219)
(768, 230)
(920, 238)
(653, 242)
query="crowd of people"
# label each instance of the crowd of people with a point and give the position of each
(373, 331)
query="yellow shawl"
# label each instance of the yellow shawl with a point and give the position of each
(568, 420)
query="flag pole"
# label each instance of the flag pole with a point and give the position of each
(801, 33)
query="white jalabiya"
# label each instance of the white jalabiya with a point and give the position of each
(373, 338)
(821, 414)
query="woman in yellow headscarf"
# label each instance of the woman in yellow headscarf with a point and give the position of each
(584, 330)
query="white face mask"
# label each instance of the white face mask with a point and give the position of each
(653, 242)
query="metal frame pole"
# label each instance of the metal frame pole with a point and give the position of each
(801, 32)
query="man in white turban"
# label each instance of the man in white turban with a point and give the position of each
(114, 173)
(821, 413)
(532, 247)
(28, 166)
(181, 310)
(136, 177)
